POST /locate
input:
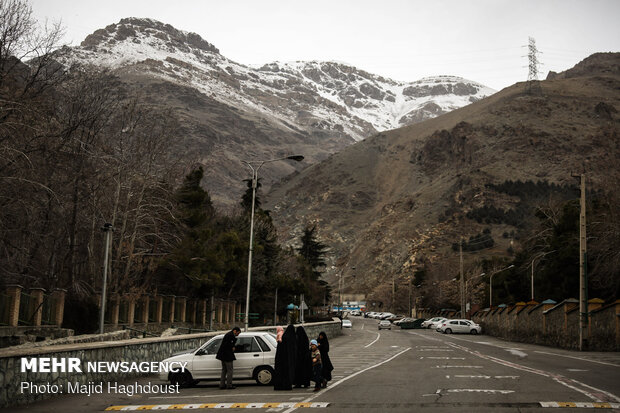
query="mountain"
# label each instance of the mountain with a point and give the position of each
(406, 195)
(232, 112)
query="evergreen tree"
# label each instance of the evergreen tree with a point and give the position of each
(312, 250)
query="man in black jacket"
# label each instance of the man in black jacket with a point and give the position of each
(226, 354)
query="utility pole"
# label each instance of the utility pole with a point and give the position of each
(462, 279)
(275, 309)
(107, 228)
(393, 290)
(532, 85)
(583, 273)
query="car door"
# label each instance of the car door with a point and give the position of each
(464, 326)
(249, 355)
(453, 325)
(204, 363)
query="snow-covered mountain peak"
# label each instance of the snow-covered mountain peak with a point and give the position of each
(145, 31)
(324, 98)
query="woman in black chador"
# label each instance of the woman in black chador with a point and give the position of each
(327, 363)
(285, 360)
(303, 361)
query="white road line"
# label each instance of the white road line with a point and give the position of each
(578, 358)
(433, 349)
(479, 391)
(592, 392)
(457, 367)
(463, 376)
(374, 341)
(443, 358)
(576, 370)
(349, 377)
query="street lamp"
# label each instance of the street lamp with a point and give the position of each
(255, 167)
(491, 284)
(534, 259)
(107, 228)
(467, 281)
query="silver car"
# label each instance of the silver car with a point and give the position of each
(385, 324)
(255, 353)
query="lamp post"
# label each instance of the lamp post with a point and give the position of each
(532, 278)
(255, 167)
(467, 281)
(107, 228)
(491, 284)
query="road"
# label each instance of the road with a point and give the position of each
(404, 371)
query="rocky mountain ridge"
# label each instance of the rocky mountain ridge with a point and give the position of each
(405, 196)
(327, 95)
(230, 112)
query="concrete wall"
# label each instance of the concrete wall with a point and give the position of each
(135, 350)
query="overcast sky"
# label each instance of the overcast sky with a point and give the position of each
(480, 40)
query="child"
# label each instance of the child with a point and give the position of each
(317, 366)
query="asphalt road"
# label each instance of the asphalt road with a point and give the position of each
(406, 371)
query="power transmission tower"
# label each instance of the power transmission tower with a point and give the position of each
(532, 86)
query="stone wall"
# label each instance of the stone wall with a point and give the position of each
(548, 323)
(553, 324)
(135, 350)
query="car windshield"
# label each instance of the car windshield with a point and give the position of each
(212, 345)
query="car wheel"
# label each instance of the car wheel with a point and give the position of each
(263, 375)
(183, 379)
(474, 332)
(448, 331)
(430, 326)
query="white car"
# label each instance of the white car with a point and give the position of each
(460, 326)
(429, 323)
(385, 324)
(347, 324)
(255, 353)
(436, 324)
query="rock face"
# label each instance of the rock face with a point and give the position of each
(385, 203)
(315, 108)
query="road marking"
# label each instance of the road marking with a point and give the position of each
(479, 391)
(581, 404)
(443, 358)
(433, 349)
(462, 376)
(578, 358)
(591, 392)
(576, 370)
(350, 377)
(457, 367)
(279, 405)
(374, 341)
(516, 352)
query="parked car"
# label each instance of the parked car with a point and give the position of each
(255, 353)
(347, 324)
(460, 326)
(385, 324)
(402, 320)
(385, 316)
(429, 323)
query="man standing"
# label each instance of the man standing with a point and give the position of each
(226, 354)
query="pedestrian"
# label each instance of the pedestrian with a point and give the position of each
(303, 360)
(317, 365)
(279, 332)
(226, 355)
(323, 345)
(284, 373)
